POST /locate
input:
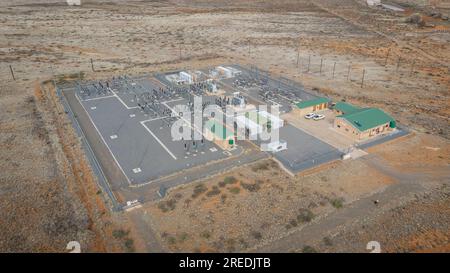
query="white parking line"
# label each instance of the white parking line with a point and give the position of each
(153, 119)
(159, 141)
(124, 104)
(172, 100)
(99, 98)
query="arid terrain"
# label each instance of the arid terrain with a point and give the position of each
(398, 61)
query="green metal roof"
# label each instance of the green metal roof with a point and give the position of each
(218, 129)
(346, 108)
(309, 103)
(256, 117)
(367, 118)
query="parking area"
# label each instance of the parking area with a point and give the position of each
(321, 129)
(304, 150)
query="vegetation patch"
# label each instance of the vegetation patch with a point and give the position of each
(235, 190)
(129, 245)
(205, 234)
(199, 189)
(183, 237)
(309, 249)
(261, 166)
(327, 241)
(214, 191)
(337, 202)
(305, 216)
(256, 234)
(168, 205)
(251, 187)
(120, 233)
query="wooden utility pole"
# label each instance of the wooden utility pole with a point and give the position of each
(12, 72)
(348, 72)
(334, 68)
(320, 70)
(92, 65)
(298, 51)
(387, 56)
(362, 81)
(398, 64)
(412, 67)
(309, 62)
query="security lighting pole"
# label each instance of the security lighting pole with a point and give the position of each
(12, 72)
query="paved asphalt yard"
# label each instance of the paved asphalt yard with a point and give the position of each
(141, 146)
(303, 150)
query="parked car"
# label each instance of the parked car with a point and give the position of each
(310, 115)
(318, 117)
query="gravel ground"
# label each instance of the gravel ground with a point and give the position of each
(419, 225)
(39, 212)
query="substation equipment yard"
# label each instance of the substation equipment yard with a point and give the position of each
(125, 124)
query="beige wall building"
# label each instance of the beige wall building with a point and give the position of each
(364, 123)
(308, 106)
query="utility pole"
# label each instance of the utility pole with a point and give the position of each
(249, 47)
(320, 71)
(362, 81)
(12, 72)
(348, 72)
(53, 77)
(412, 67)
(309, 61)
(300, 69)
(398, 64)
(92, 65)
(334, 68)
(387, 56)
(298, 56)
